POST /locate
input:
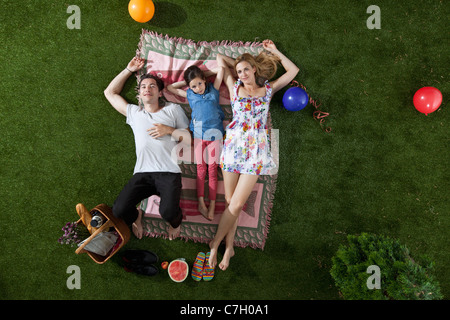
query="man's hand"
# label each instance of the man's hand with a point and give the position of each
(159, 130)
(136, 64)
(112, 92)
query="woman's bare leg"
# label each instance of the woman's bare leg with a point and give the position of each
(244, 187)
(229, 248)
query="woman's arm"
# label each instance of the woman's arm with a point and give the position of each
(228, 78)
(175, 88)
(289, 66)
(227, 61)
(219, 77)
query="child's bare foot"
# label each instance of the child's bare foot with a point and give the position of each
(174, 232)
(202, 207)
(229, 253)
(211, 209)
(137, 225)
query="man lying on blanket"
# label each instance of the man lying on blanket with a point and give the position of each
(157, 128)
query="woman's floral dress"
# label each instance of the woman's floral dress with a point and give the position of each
(246, 148)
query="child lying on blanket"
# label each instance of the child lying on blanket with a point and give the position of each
(207, 127)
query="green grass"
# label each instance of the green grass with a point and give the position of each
(382, 169)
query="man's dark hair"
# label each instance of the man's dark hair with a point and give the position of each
(159, 82)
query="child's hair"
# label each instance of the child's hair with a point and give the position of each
(193, 72)
(265, 63)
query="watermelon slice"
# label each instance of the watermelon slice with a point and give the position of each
(178, 270)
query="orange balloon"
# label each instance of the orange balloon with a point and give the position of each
(141, 10)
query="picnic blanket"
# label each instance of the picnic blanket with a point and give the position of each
(168, 57)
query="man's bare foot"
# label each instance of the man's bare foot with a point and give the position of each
(137, 225)
(174, 232)
(229, 253)
(212, 255)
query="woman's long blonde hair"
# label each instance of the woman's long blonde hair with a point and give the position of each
(266, 65)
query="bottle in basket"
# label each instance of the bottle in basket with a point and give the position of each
(97, 219)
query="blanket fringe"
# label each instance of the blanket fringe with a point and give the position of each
(191, 42)
(237, 243)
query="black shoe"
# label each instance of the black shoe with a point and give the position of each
(144, 269)
(140, 257)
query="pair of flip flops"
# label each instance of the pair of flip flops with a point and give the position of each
(140, 262)
(201, 269)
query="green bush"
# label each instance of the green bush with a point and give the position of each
(401, 277)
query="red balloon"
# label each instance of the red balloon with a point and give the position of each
(427, 100)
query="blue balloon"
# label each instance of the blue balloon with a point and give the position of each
(295, 99)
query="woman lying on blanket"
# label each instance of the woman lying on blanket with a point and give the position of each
(246, 153)
(207, 127)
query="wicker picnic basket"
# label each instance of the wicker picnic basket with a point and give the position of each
(111, 222)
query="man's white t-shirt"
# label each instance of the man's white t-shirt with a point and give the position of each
(155, 155)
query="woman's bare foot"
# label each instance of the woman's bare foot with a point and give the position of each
(212, 255)
(174, 232)
(137, 225)
(229, 253)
